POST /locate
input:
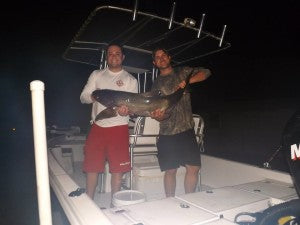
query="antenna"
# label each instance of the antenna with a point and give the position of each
(136, 3)
(172, 15)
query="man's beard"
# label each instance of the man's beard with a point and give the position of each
(166, 66)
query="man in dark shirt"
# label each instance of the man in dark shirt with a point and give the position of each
(177, 145)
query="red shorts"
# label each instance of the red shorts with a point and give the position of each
(107, 143)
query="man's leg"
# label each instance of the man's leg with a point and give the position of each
(116, 180)
(191, 178)
(93, 162)
(170, 182)
(91, 184)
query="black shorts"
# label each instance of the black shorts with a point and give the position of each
(178, 150)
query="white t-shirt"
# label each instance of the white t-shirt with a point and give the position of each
(106, 79)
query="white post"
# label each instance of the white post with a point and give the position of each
(40, 150)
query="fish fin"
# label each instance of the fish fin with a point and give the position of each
(106, 113)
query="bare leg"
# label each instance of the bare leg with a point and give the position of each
(170, 182)
(91, 184)
(191, 178)
(116, 180)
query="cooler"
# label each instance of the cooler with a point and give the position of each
(148, 178)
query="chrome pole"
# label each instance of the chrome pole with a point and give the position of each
(145, 81)
(139, 85)
(131, 165)
(201, 25)
(153, 73)
(101, 59)
(222, 37)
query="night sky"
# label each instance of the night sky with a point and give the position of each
(262, 64)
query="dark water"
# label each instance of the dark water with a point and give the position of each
(18, 187)
(18, 195)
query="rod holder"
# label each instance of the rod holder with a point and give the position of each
(222, 37)
(37, 89)
(201, 25)
(172, 15)
(136, 3)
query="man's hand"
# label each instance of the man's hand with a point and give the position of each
(182, 85)
(158, 115)
(123, 110)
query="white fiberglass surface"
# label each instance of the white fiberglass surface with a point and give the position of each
(165, 211)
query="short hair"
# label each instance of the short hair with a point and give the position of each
(159, 49)
(115, 44)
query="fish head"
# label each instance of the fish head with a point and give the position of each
(105, 97)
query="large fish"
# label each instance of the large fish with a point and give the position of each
(138, 104)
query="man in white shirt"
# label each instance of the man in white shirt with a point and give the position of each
(108, 139)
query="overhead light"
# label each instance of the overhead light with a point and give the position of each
(189, 22)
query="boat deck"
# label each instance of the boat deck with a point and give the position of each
(226, 189)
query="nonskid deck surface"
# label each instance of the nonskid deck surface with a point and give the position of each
(205, 207)
(253, 196)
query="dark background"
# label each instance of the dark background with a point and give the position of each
(260, 72)
(262, 63)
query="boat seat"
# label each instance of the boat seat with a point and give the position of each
(199, 131)
(144, 138)
(145, 135)
(142, 141)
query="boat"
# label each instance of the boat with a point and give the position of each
(228, 192)
(226, 188)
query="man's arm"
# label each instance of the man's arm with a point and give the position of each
(86, 94)
(201, 75)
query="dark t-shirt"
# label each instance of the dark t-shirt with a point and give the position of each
(181, 116)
